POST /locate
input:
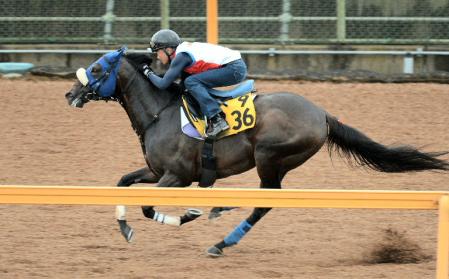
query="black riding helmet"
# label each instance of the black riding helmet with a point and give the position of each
(164, 38)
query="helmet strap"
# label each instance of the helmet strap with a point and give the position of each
(168, 55)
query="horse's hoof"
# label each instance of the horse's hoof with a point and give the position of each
(217, 212)
(215, 252)
(127, 231)
(129, 235)
(193, 213)
(214, 215)
(190, 215)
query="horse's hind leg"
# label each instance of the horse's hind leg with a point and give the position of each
(144, 175)
(271, 176)
(273, 162)
(239, 232)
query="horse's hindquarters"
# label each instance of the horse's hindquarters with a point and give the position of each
(289, 131)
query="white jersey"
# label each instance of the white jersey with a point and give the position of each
(207, 56)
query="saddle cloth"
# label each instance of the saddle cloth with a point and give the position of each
(240, 115)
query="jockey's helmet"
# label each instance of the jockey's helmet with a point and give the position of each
(164, 38)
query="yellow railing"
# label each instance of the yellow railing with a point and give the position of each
(243, 198)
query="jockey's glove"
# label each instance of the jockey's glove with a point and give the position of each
(146, 70)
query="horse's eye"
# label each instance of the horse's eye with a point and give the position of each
(96, 70)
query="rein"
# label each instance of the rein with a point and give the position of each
(155, 116)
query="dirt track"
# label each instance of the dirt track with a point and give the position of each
(46, 142)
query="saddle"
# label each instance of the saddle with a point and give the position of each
(238, 106)
(220, 95)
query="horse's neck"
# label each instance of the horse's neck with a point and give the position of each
(140, 99)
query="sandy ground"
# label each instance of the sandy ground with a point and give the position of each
(45, 142)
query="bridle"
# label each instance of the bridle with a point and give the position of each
(99, 88)
(92, 94)
(93, 88)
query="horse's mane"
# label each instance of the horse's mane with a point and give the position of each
(137, 59)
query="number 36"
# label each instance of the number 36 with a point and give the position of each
(246, 119)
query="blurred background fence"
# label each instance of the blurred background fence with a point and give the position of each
(250, 21)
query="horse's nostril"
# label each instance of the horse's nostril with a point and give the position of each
(68, 95)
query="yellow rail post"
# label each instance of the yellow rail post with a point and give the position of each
(443, 238)
(212, 21)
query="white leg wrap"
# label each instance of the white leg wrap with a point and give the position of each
(166, 219)
(120, 212)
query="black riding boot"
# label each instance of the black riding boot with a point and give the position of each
(217, 124)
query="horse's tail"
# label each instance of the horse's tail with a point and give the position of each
(360, 150)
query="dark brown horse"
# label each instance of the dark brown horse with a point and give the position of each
(288, 131)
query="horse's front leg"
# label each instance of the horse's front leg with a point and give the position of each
(144, 175)
(171, 180)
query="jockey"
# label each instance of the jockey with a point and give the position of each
(208, 65)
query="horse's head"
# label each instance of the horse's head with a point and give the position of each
(98, 81)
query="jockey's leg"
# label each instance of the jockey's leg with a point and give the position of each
(144, 175)
(209, 106)
(199, 84)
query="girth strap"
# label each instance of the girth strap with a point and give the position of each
(208, 164)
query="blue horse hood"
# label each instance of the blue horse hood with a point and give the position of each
(103, 83)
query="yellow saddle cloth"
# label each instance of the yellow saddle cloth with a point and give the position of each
(240, 115)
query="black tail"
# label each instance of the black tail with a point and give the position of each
(363, 151)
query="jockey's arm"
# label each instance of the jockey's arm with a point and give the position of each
(181, 61)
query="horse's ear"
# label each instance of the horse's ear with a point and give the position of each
(123, 49)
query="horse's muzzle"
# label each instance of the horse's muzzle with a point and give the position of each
(75, 101)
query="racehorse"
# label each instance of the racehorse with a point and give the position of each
(289, 130)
